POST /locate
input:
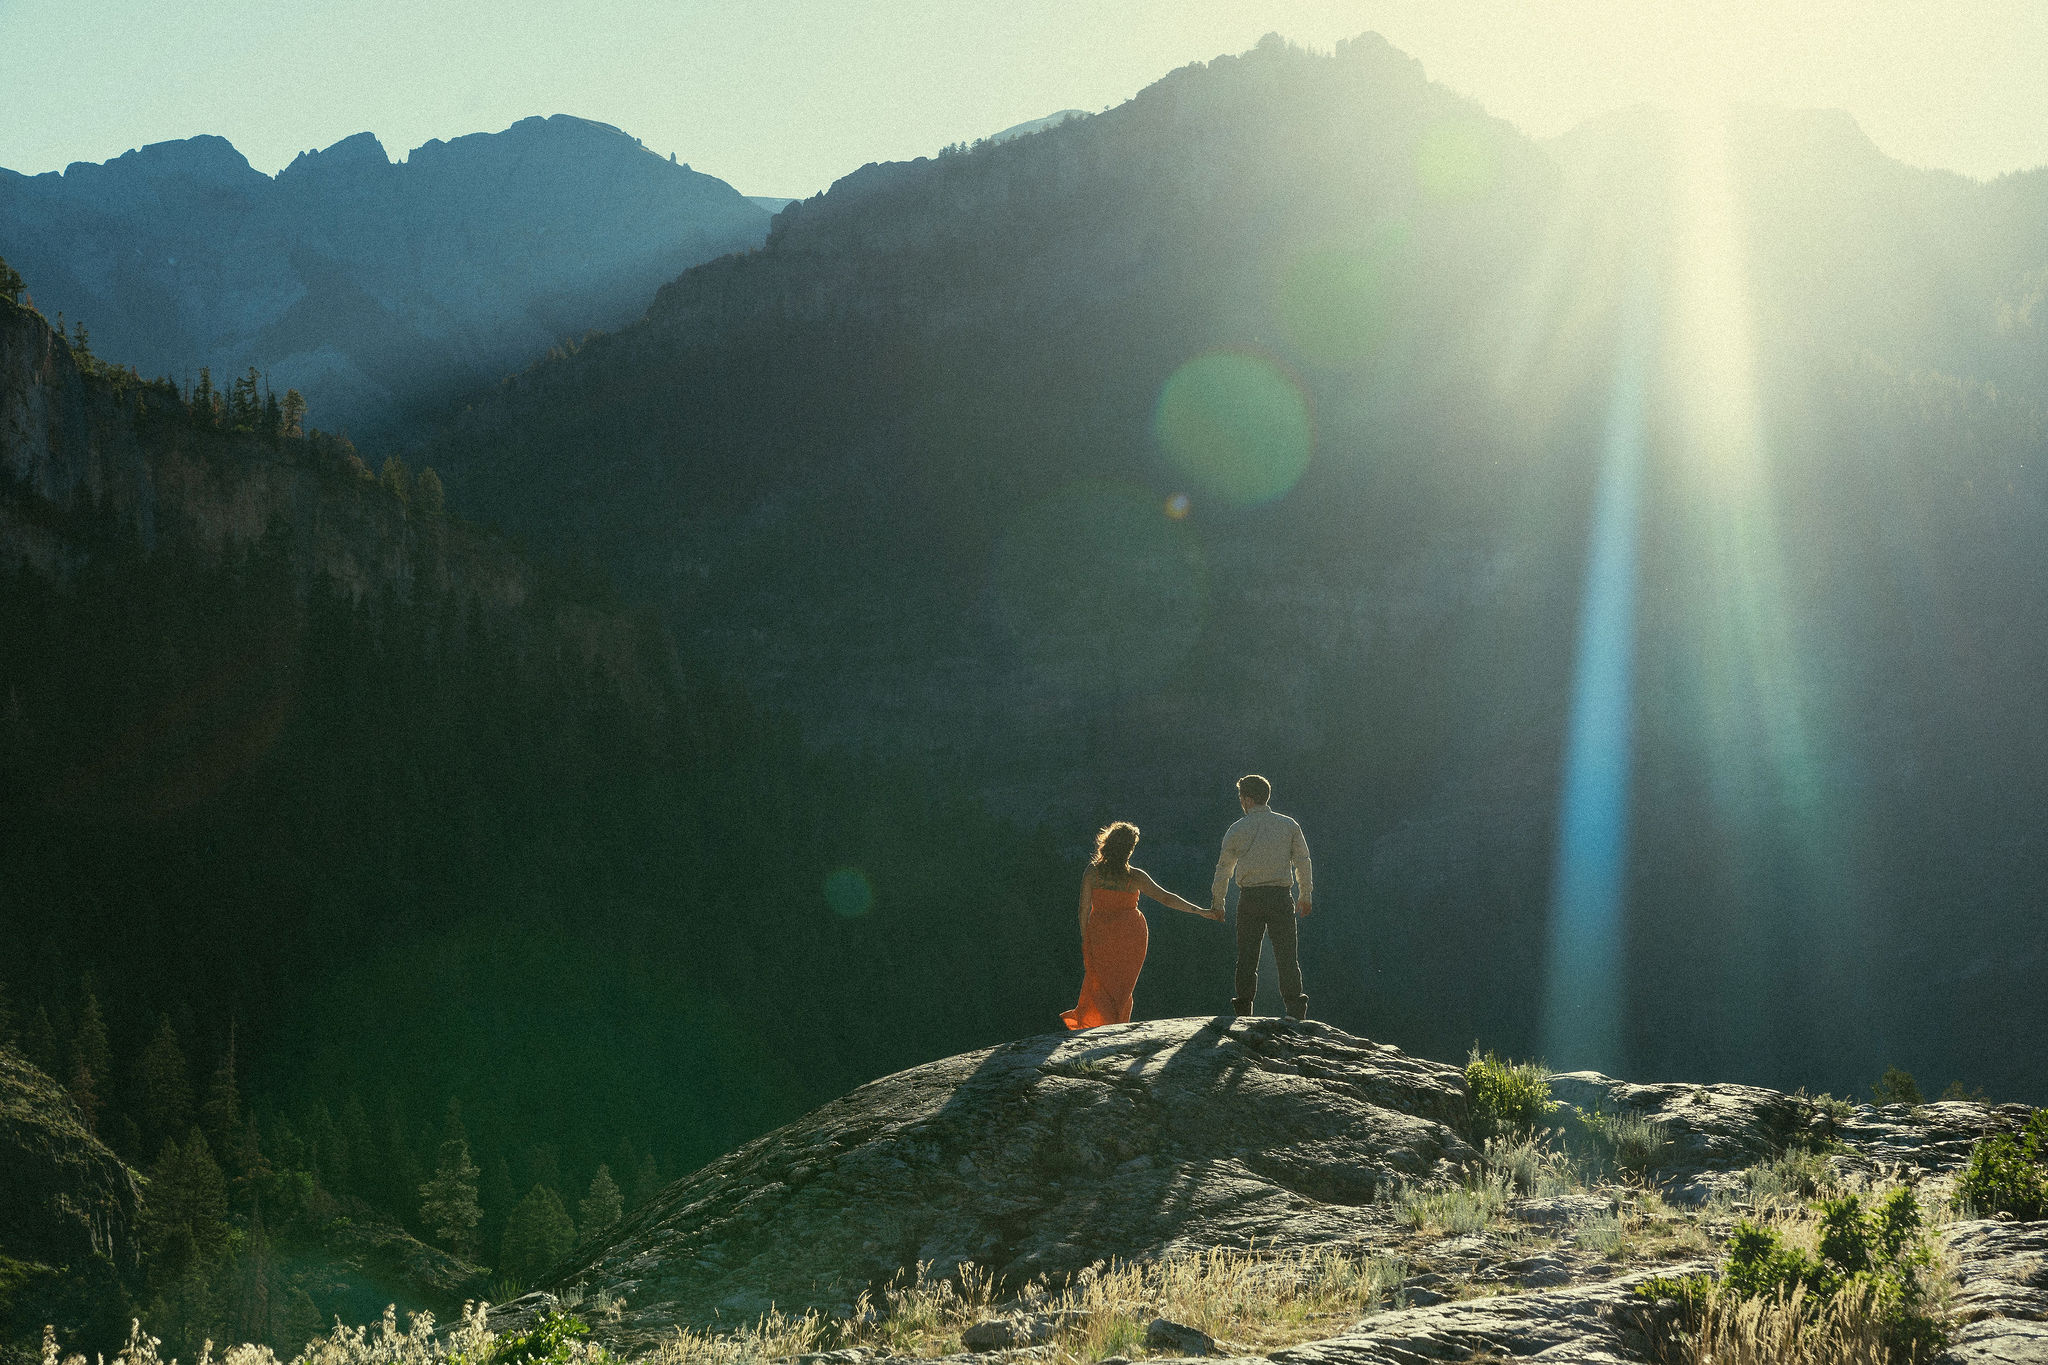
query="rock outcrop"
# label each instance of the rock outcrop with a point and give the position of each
(2001, 1301)
(1584, 1325)
(1039, 1158)
(1149, 1141)
(65, 1200)
(76, 456)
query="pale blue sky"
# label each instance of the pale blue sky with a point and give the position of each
(781, 96)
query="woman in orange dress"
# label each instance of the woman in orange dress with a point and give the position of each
(1113, 932)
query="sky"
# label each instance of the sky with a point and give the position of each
(780, 97)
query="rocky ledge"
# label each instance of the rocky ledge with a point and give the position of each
(1144, 1142)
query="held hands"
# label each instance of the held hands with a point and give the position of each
(1214, 912)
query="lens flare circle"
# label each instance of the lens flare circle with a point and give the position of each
(849, 893)
(1237, 425)
(1178, 506)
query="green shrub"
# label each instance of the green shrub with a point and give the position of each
(2009, 1175)
(1509, 1099)
(1877, 1248)
(554, 1340)
(1760, 1263)
(1690, 1291)
(1897, 1086)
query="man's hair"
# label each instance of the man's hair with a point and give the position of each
(1255, 789)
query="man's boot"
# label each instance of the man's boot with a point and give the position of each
(1298, 1010)
(1240, 1008)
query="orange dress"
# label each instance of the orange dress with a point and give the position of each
(1112, 955)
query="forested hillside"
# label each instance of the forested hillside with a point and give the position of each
(332, 832)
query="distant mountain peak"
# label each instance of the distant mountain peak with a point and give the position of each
(354, 150)
(207, 159)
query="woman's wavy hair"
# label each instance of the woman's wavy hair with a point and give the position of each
(1113, 848)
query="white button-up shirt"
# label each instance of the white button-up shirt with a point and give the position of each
(1265, 848)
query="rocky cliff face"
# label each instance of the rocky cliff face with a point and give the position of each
(365, 284)
(67, 1199)
(1153, 1141)
(79, 454)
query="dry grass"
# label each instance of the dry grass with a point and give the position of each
(1457, 1210)
(1255, 1301)
(1846, 1330)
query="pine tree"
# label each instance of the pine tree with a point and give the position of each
(11, 282)
(245, 407)
(39, 1044)
(205, 402)
(220, 1113)
(603, 1205)
(448, 1202)
(184, 1231)
(273, 415)
(185, 1217)
(354, 1123)
(89, 1076)
(293, 413)
(646, 1181)
(165, 1106)
(625, 1163)
(499, 1194)
(543, 1166)
(537, 1235)
(396, 478)
(428, 494)
(398, 1168)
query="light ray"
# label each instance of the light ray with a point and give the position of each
(1582, 1024)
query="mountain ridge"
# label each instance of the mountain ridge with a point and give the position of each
(374, 287)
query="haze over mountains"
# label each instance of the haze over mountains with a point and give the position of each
(369, 286)
(907, 470)
(1296, 416)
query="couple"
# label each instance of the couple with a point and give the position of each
(1266, 852)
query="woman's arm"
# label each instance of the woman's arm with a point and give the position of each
(1087, 883)
(1165, 897)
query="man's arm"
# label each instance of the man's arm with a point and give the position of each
(1304, 872)
(1234, 845)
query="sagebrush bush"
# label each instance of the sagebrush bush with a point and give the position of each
(1508, 1099)
(1529, 1165)
(2009, 1175)
(1624, 1142)
(1458, 1209)
(1799, 1174)
(1870, 1258)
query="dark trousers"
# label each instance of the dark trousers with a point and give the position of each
(1263, 911)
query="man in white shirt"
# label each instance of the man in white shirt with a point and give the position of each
(1268, 855)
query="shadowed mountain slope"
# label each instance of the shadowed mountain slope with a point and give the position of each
(369, 286)
(911, 470)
